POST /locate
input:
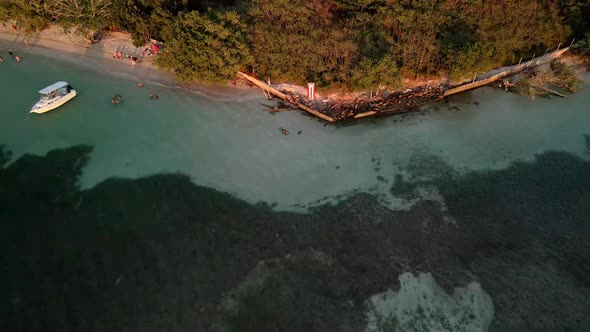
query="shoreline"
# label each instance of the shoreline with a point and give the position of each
(394, 101)
(70, 47)
(98, 56)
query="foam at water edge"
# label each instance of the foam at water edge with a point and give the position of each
(421, 305)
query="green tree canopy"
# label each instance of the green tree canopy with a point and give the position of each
(375, 74)
(330, 42)
(208, 47)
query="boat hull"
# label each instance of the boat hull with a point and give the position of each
(54, 105)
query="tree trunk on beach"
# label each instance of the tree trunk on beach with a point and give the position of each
(559, 74)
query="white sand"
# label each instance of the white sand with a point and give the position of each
(421, 305)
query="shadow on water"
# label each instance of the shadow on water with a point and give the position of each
(161, 253)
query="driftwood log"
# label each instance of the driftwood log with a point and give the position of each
(398, 101)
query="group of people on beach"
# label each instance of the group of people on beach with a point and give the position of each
(11, 53)
(134, 60)
(153, 50)
(117, 98)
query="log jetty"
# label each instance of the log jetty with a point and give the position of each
(502, 73)
(406, 100)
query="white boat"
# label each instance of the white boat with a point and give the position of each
(53, 97)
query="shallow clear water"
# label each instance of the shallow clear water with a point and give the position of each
(234, 146)
(486, 191)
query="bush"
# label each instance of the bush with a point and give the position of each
(207, 47)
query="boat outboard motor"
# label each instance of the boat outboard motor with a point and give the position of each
(69, 88)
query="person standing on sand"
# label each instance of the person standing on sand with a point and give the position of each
(26, 42)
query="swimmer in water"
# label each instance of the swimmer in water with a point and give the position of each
(117, 98)
(17, 58)
(153, 96)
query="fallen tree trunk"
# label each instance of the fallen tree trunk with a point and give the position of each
(549, 90)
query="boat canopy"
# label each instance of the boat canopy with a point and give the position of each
(53, 87)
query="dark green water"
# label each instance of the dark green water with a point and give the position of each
(161, 253)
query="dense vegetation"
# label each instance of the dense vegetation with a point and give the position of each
(359, 44)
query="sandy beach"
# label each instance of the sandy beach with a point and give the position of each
(71, 47)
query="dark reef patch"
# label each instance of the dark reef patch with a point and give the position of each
(161, 253)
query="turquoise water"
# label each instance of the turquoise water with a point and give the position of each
(230, 144)
(484, 182)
